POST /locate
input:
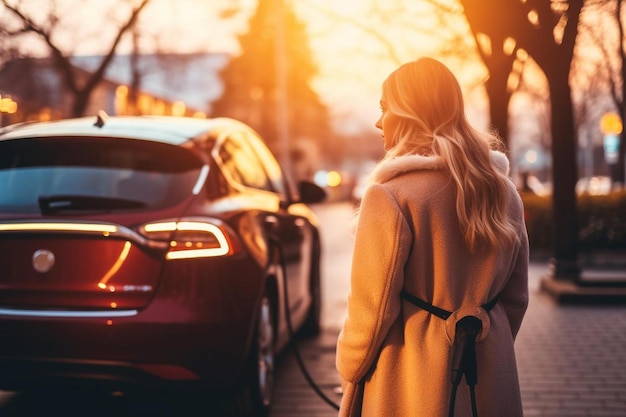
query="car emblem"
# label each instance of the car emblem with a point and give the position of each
(43, 260)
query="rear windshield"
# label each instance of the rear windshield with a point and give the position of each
(78, 174)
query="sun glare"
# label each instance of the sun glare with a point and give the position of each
(355, 43)
(358, 43)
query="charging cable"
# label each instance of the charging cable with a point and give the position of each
(292, 341)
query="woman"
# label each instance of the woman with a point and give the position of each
(441, 221)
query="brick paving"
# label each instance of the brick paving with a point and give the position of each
(571, 359)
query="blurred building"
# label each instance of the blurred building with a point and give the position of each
(173, 84)
(159, 84)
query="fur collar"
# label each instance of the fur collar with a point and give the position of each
(387, 170)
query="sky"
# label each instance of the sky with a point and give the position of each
(356, 43)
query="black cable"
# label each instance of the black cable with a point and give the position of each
(473, 399)
(452, 400)
(293, 343)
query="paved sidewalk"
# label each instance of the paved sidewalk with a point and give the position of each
(571, 359)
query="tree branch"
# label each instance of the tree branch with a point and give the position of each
(391, 50)
(59, 58)
(97, 75)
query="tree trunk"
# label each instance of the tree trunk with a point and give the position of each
(499, 99)
(565, 263)
(81, 99)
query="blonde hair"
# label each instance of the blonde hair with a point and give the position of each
(427, 100)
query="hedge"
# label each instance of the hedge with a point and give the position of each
(601, 220)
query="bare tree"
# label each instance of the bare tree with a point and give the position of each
(79, 89)
(508, 32)
(547, 31)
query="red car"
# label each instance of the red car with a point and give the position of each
(140, 251)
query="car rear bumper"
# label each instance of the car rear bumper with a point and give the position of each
(124, 353)
(20, 373)
(199, 334)
(196, 329)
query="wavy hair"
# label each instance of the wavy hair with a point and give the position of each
(427, 100)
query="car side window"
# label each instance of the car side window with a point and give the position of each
(269, 162)
(240, 163)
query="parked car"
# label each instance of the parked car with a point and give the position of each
(148, 251)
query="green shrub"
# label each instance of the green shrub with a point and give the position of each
(601, 220)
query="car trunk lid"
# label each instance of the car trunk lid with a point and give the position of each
(76, 265)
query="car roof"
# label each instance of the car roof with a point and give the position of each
(168, 129)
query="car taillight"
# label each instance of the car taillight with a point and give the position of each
(192, 238)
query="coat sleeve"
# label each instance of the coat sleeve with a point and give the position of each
(514, 296)
(382, 244)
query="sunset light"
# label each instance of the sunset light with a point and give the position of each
(202, 201)
(355, 44)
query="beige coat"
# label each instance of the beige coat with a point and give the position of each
(408, 237)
